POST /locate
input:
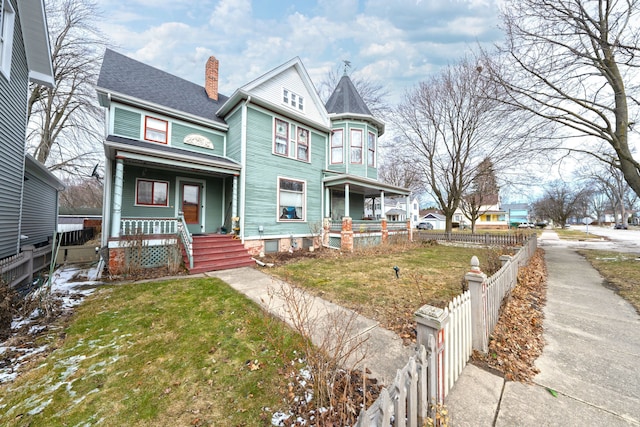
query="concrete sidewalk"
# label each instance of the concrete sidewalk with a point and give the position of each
(384, 351)
(591, 359)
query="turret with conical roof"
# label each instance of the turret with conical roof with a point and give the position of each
(346, 99)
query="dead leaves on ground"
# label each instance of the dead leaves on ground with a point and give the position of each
(517, 339)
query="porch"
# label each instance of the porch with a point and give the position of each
(349, 234)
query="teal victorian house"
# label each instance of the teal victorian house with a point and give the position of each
(268, 168)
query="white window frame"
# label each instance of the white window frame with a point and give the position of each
(290, 140)
(152, 204)
(354, 148)
(334, 135)
(280, 213)
(7, 18)
(292, 99)
(148, 120)
(371, 149)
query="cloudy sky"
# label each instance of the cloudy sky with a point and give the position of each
(395, 42)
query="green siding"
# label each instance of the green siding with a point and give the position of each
(214, 187)
(179, 131)
(126, 123)
(234, 135)
(262, 172)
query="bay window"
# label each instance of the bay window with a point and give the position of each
(371, 152)
(356, 146)
(337, 145)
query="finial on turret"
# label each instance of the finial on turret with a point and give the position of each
(347, 65)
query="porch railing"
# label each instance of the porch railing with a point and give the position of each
(134, 226)
(186, 238)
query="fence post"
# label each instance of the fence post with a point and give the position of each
(28, 253)
(504, 259)
(431, 322)
(476, 281)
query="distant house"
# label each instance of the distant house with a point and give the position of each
(394, 209)
(491, 215)
(438, 221)
(270, 165)
(28, 192)
(517, 213)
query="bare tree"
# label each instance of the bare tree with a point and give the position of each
(400, 170)
(574, 63)
(82, 193)
(608, 181)
(451, 126)
(481, 194)
(561, 202)
(65, 122)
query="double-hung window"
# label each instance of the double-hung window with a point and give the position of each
(7, 16)
(303, 144)
(152, 193)
(155, 130)
(291, 199)
(281, 139)
(337, 145)
(371, 152)
(356, 146)
(291, 141)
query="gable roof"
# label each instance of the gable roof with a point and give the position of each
(35, 34)
(346, 99)
(127, 79)
(245, 92)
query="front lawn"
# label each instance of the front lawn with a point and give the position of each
(365, 281)
(179, 352)
(620, 270)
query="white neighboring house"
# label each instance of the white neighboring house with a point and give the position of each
(395, 210)
(438, 221)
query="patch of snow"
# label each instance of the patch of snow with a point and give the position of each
(40, 408)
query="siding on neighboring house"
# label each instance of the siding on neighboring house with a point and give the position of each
(13, 108)
(39, 210)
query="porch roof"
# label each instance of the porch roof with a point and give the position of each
(168, 157)
(368, 187)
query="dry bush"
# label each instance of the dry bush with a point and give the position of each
(7, 311)
(332, 354)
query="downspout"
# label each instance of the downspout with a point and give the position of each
(243, 162)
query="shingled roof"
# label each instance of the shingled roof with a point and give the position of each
(346, 99)
(126, 76)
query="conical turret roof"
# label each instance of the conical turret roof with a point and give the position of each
(346, 99)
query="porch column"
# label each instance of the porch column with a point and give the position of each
(327, 202)
(234, 202)
(117, 198)
(409, 218)
(346, 201)
(382, 209)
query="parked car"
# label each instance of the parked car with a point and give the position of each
(620, 227)
(526, 225)
(424, 226)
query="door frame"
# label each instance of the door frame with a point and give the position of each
(180, 180)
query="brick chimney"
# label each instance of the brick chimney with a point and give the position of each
(211, 78)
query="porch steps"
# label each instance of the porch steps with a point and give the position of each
(217, 252)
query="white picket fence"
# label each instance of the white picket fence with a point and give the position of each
(458, 337)
(449, 334)
(407, 401)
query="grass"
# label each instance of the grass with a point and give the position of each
(179, 352)
(620, 270)
(366, 282)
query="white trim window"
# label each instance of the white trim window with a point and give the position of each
(7, 17)
(152, 193)
(291, 141)
(292, 99)
(156, 130)
(337, 145)
(291, 199)
(303, 144)
(371, 149)
(356, 146)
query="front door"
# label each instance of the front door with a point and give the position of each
(192, 206)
